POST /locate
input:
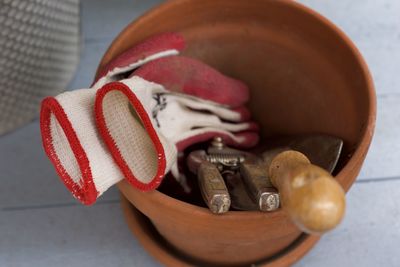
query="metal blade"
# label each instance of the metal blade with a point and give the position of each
(322, 150)
(240, 200)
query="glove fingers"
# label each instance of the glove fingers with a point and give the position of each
(70, 141)
(165, 44)
(196, 120)
(246, 139)
(142, 155)
(190, 76)
(243, 112)
(174, 117)
(200, 105)
(239, 127)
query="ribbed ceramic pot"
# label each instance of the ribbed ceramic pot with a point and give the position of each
(305, 76)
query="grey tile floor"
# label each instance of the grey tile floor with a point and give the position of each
(41, 225)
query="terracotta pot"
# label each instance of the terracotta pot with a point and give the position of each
(305, 76)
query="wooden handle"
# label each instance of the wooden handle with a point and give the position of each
(313, 199)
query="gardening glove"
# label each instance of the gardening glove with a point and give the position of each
(69, 135)
(159, 46)
(145, 145)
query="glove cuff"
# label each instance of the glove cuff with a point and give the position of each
(82, 188)
(70, 140)
(143, 155)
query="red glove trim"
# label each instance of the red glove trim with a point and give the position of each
(111, 144)
(150, 46)
(85, 191)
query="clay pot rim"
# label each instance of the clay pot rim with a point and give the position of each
(355, 159)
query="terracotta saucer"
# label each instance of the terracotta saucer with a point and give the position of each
(167, 255)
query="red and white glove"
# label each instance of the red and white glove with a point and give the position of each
(73, 143)
(145, 145)
(69, 134)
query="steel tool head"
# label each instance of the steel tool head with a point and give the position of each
(322, 150)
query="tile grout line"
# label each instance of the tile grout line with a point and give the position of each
(56, 205)
(115, 201)
(387, 94)
(373, 180)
